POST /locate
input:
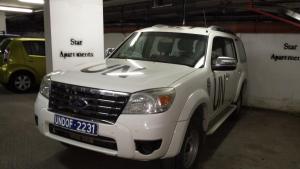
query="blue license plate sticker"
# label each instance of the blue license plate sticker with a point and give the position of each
(76, 125)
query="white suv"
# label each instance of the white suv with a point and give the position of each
(156, 97)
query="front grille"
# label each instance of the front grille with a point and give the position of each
(93, 140)
(87, 103)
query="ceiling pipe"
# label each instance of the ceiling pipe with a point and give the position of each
(252, 7)
(292, 14)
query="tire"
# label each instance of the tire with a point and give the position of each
(190, 153)
(21, 82)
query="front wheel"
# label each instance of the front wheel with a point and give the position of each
(21, 82)
(189, 156)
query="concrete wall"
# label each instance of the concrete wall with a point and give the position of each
(274, 76)
(274, 82)
(74, 33)
(112, 40)
(2, 21)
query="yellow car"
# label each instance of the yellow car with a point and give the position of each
(22, 63)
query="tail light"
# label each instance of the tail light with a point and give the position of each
(6, 56)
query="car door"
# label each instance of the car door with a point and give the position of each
(35, 58)
(241, 66)
(223, 80)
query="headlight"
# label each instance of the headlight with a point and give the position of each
(150, 101)
(46, 84)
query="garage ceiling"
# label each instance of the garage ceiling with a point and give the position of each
(293, 4)
(120, 2)
(16, 3)
(141, 13)
(216, 10)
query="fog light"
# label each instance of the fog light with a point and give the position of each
(147, 147)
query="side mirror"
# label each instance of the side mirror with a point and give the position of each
(108, 52)
(224, 63)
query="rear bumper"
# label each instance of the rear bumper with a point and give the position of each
(130, 133)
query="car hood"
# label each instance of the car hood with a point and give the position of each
(124, 75)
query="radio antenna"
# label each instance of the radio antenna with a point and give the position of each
(204, 17)
(184, 12)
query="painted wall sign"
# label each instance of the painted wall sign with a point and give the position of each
(284, 58)
(287, 46)
(69, 54)
(74, 33)
(219, 91)
(123, 71)
(75, 42)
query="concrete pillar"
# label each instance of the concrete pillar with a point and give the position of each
(2, 21)
(74, 33)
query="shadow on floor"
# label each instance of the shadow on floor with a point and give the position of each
(214, 141)
(6, 90)
(75, 158)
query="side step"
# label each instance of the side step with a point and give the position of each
(220, 119)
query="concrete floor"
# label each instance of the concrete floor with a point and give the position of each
(259, 140)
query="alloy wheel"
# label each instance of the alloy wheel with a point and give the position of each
(22, 82)
(191, 148)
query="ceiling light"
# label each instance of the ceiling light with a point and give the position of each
(13, 9)
(33, 1)
(293, 14)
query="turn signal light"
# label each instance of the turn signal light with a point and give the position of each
(165, 100)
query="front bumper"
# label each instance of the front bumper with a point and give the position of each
(128, 131)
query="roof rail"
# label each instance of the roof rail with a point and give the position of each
(221, 29)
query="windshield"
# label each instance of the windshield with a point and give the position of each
(174, 48)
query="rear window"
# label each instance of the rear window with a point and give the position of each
(34, 47)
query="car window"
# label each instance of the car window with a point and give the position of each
(34, 47)
(223, 47)
(242, 52)
(175, 48)
(4, 44)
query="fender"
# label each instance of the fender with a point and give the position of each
(193, 102)
(16, 68)
(242, 81)
(199, 97)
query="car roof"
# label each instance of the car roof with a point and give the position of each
(187, 29)
(28, 39)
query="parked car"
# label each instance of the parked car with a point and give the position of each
(22, 63)
(156, 96)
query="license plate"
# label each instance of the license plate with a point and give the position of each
(76, 125)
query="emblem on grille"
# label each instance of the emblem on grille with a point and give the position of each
(79, 103)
